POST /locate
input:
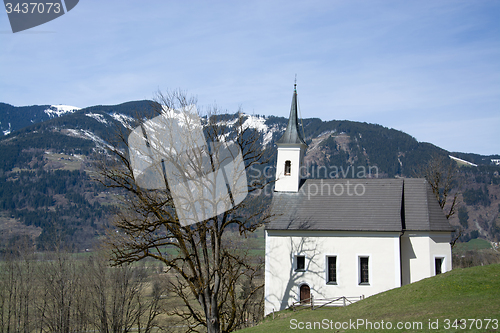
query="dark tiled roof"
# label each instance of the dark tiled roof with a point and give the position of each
(358, 205)
(422, 211)
(292, 134)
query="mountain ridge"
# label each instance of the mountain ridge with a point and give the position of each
(38, 114)
(65, 145)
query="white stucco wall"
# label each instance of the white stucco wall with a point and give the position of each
(288, 183)
(419, 250)
(282, 282)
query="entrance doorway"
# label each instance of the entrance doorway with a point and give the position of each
(305, 294)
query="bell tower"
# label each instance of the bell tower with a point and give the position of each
(291, 149)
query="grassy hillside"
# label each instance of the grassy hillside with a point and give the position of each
(467, 294)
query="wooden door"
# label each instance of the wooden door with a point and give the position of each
(305, 294)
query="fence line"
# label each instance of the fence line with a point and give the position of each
(321, 302)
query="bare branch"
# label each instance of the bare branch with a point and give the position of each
(207, 259)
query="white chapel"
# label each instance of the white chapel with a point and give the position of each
(347, 237)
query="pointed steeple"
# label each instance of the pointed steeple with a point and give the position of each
(292, 134)
(291, 150)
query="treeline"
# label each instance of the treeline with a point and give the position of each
(61, 294)
(393, 152)
(469, 236)
(66, 205)
(63, 203)
(473, 258)
(21, 116)
(480, 160)
(486, 174)
(22, 150)
(478, 196)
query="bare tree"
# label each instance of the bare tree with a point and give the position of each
(16, 294)
(186, 228)
(442, 174)
(148, 311)
(117, 297)
(59, 293)
(59, 285)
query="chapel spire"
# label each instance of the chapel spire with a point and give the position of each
(292, 134)
(291, 150)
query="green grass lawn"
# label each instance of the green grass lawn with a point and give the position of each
(468, 294)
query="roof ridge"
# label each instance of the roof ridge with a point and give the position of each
(428, 213)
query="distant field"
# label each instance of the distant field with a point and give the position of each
(473, 244)
(63, 161)
(471, 296)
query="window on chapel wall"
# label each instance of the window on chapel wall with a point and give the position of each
(331, 270)
(300, 263)
(288, 168)
(363, 270)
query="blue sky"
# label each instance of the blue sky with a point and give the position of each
(428, 68)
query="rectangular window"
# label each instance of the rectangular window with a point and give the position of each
(331, 272)
(363, 270)
(439, 265)
(300, 263)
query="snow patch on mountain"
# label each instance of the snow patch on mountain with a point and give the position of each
(97, 116)
(186, 116)
(72, 132)
(59, 110)
(268, 137)
(7, 132)
(462, 161)
(86, 134)
(123, 119)
(229, 123)
(94, 138)
(326, 133)
(257, 123)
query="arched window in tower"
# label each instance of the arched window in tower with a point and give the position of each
(288, 168)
